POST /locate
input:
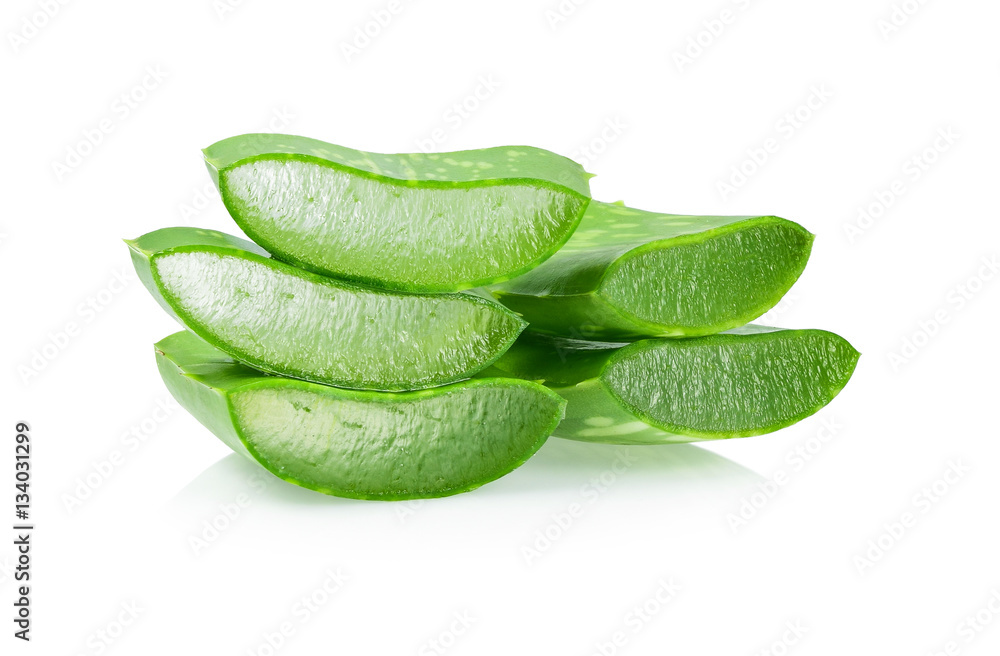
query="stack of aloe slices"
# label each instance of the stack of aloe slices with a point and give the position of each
(417, 325)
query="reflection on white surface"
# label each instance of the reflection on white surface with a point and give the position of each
(571, 496)
(562, 459)
(560, 466)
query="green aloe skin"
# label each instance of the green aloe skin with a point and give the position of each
(359, 444)
(749, 381)
(283, 320)
(627, 273)
(409, 222)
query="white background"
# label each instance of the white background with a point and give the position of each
(603, 82)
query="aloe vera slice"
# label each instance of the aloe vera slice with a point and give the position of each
(749, 381)
(627, 273)
(411, 222)
(283, 320)
(358, 444)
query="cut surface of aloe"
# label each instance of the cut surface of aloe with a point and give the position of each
(749, 381)
(410, 222)
(358, 444)
(283, 320)
(627, 273)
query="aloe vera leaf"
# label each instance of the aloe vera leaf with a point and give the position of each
(283, 320)
(749, 381)
(361, 444)
(410, 222)
(627, 273)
